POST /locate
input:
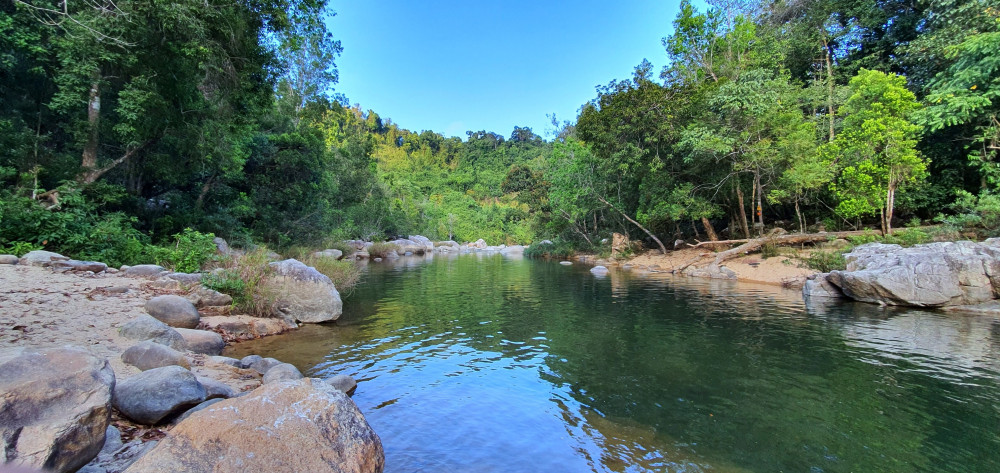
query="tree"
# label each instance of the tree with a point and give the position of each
(876, 150)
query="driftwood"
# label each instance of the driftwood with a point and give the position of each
(749, 245)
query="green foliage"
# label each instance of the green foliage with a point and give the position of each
(979, 214)
(826, 261)
(245, 278)
(19, 248)
(558, 249)
(188, 253)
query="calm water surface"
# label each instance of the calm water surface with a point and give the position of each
(490, 364)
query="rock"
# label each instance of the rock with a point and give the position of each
(304, 294)
(74, 265)
(216, 389)
(377, 260)
(226, 361)
(568, 263)
(166, 284)
(409, 246)
(391, 254)
(513, 249)
(148, 271)
(187, 279)
(712, 272)
(174, 311)
(300, 426)
(678, 244)
(205, 297)
(282, 372)
(343, 383)
(114, 461)
(8, 259)
(361, 254)
(545, 242)
(479, 244)
(41, 258)
(208, 403)
(145, 327)
(818, 287)
(244, 327)
(330, 253)
(599, 270)
(425, 243)
(248, 361)
(56, 406)
(202, 341)
(151, 396)
(221, 246)
(931, 275)
(148, 355)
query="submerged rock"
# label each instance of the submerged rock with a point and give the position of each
(298, 426)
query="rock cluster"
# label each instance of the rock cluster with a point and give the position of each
(932, 275)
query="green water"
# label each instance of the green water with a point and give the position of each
(490, 364)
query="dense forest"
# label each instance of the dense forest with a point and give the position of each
(124, 124)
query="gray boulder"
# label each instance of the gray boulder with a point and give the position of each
(304, 294)
(148, 271)
(205, 297)
(818, 287)
(330, 253)
(202, 341)
(56, 406)
(187, 279)
(148, 355)
(425, 243)
(174, 311)
(409, 246)
(282, 372)
(151, 396)
(145, 327)
(221, 246)
(216, 389)
(248, 361)
(343, 383)
(568, 263)
(283, 427)
(931, 275)
(226, 361)
(116, 456)
(41, 258)
(9, 259)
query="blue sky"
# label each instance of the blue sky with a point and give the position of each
(452, 66)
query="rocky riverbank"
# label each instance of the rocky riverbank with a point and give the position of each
(101, 368)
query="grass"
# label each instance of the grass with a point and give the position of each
(379, 249)
(245, 278)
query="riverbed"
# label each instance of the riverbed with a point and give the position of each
(492, 363)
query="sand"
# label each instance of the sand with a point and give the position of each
(782, 270)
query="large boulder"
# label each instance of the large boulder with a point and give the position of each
(174, 311)
(818, 287)
(409, 246)
(149, 354)
(931, 275)
(296, 426)
(9, 259)
(145, 327)
(423, 242)
(42, 258)
(479, 244)
(55, 406)
(329, 253)
(205, 297)
(151, 396)
(202, 341)
(304, 294)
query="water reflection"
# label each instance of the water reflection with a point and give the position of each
(493, 363)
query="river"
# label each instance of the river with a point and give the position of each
(487, 363)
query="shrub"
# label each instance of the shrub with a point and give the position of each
(826, 261)
(979, 214)
(557, 249)
(380, 249)
(245, 279)
(344, 274)
(908, 237)
(190, 251)
(19, 248)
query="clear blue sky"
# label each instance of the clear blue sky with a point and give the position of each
(452, 66)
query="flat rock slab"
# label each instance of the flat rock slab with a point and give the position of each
(174, 311)
(74, 265)
(202, 341)
(148, 271)
(41, 258)
(298, 426)
(56, 406)
(151, 396)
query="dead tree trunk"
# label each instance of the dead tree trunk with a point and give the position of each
(659, 243)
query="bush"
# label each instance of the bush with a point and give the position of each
(557, 249)
(190, 251)
(826, 261)
(19, 248)
(245, 279)
(380, 249)
(344, 274)
(979, 214)
(908, 237)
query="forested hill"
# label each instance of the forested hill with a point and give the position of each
(124, 123)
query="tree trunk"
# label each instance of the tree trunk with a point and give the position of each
(659, 243)
(759, 191)
(890, 202)
(829, 85)
(89, 161)
(88, 176)
(743, 211)
(798, 215)
(709, 230)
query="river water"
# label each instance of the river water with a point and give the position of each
(479, 363)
